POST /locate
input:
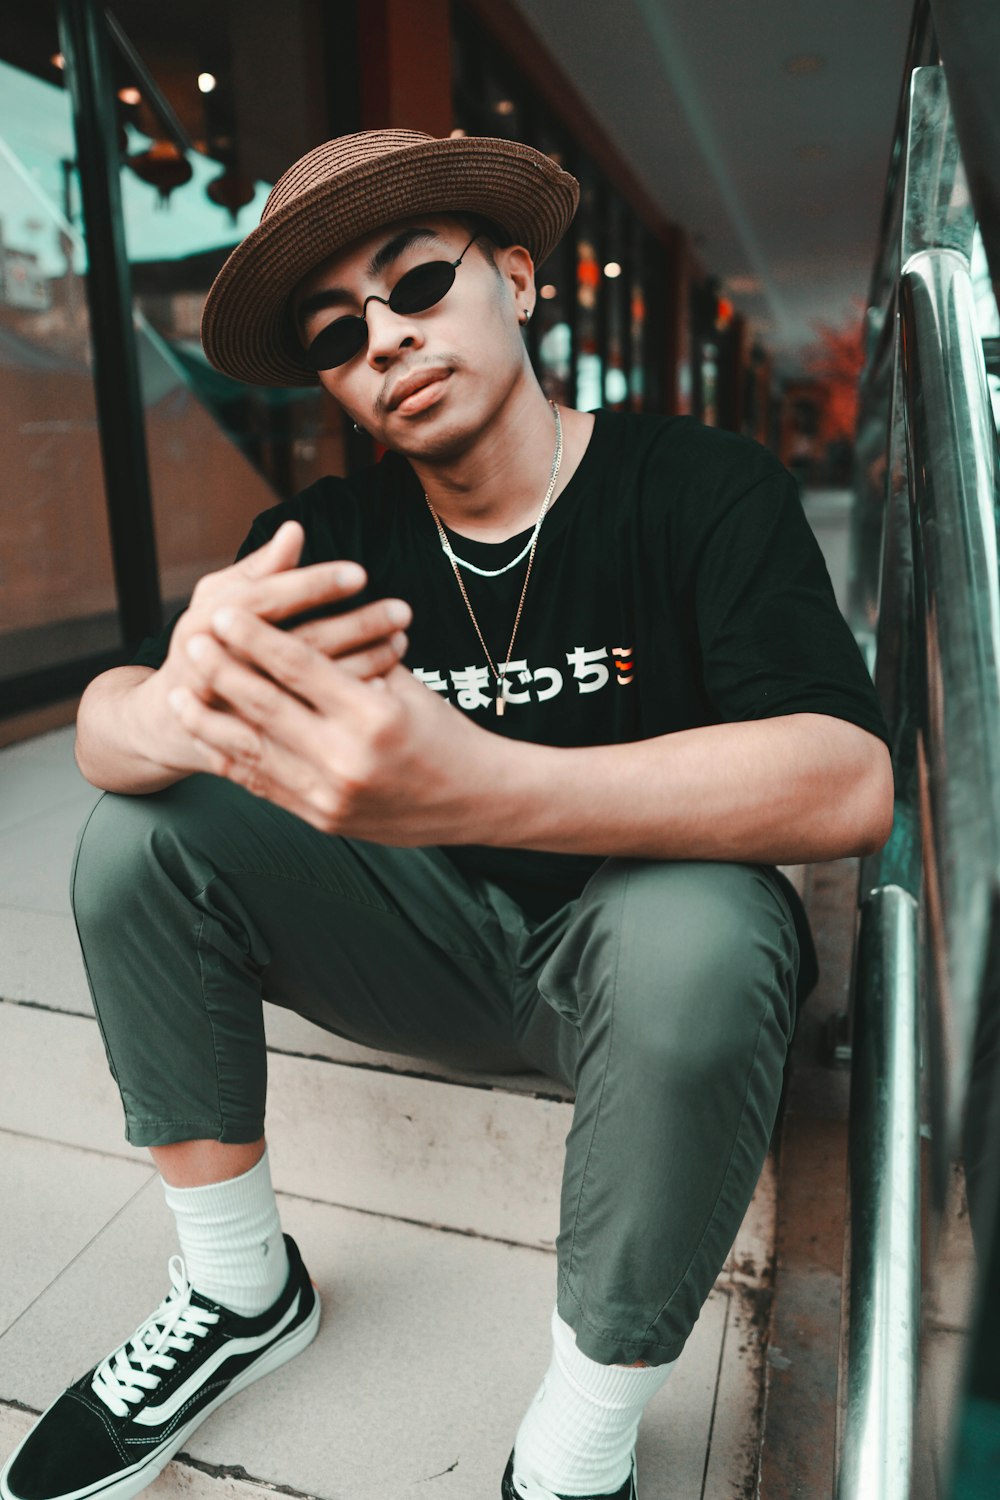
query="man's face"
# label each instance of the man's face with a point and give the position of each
(464, 352)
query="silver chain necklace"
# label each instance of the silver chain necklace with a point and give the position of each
(495, 572)
(455, 561)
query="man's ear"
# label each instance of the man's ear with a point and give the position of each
(518, 270)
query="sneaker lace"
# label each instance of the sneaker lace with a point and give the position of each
(129, 1373)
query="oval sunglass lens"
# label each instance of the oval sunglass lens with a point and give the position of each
(338, 342)
(421, 287)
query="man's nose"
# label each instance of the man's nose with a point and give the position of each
(388, 333)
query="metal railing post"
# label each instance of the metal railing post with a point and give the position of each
(884, 1193)
(83, 39)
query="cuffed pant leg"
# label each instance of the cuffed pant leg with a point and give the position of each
(194, 902)
(676, 980)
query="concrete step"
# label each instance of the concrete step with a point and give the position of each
(431, 1347)
(448, 1150)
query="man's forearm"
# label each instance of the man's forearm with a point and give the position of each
(787, 790)
(112, 740)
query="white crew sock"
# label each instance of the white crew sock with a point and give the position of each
(577, 1435)
(231, 1239)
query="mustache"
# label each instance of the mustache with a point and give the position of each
(444, 360)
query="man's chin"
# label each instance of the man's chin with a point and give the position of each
(439, 441)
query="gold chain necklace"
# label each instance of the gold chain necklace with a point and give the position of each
(501, 676)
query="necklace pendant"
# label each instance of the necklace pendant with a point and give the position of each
(500, 704)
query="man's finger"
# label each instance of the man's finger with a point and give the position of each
(299, 668)
(254, 761)
(370, 664)
(358, 627)
(282, 551)
(280, 595)
(256, 699)
(223, 735)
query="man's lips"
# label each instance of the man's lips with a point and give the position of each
(411, 384)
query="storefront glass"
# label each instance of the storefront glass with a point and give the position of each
(637, 316)
(592, 341)
(615, 282)
(57, 581)
(210, 107)
(220, 451)
(589, 359)
(553, 318)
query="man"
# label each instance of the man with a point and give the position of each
(548, 840)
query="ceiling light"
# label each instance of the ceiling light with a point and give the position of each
(207, 82)
(548, 291)
(743, 286)
(805, 64)
(57, 60)
(130, 96)
(612, 269)
(505, 106)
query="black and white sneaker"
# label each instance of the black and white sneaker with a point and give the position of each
(512, 1488)
(111, 1433)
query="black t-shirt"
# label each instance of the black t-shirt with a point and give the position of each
(676, 583)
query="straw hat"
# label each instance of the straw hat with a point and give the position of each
(343, 190)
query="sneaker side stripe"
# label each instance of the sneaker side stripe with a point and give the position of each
(156, 1416)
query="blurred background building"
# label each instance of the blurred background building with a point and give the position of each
(732, 169)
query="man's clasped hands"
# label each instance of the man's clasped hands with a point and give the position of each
(322, 719)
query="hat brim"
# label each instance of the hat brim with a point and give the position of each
(246, 330)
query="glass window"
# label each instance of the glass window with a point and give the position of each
(555, 280)
(637, 315)
(615, 283)
(597, 338)
(220, 451)
(589, 364)
(59, 597)
(504, 109)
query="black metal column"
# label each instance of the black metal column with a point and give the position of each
(83, 39)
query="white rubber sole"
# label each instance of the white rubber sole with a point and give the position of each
(132, 1481)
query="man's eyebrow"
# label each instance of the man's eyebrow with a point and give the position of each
(336, 296)
(395, 247)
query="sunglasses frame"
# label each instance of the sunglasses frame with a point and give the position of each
(362, 322)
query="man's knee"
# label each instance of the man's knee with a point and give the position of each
(704, 954)
(126, 840)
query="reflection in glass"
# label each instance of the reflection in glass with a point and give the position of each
(59, 600)
(552, 319)
(614, 287)
(710, 384)
(219, 451)
(589, 367)
(637, 315)
(595, 336)
(987, 315)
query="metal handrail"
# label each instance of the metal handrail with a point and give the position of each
(952, 465)
(937, 667)
(883, 1274)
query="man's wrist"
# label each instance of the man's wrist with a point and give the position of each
(508, 769)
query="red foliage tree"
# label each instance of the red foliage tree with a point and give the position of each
(835, 361)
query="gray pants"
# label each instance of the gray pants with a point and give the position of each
(663, 996)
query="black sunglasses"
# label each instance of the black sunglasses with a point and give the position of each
(418, 290)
